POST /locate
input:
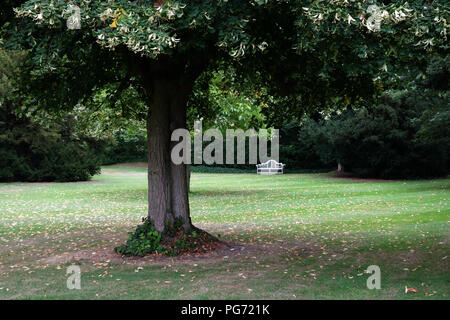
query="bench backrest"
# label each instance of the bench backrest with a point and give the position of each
(271, 164)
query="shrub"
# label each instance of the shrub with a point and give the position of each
(125, 147)
(29, 152)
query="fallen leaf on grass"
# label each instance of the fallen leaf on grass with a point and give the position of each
(410, 290)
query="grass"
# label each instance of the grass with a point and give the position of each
(293, 236)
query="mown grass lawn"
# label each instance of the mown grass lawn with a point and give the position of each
(295, 236)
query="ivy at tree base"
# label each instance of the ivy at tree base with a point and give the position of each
(174, 241)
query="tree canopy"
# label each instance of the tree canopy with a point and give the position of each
(347, 47)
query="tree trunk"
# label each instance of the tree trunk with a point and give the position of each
(158, 132)
(168, 192)
(179, 184)
(168, 84)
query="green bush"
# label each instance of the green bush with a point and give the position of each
(31, 153)
(125, 147)
(298, 148)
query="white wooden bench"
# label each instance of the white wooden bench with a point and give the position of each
(270, 167)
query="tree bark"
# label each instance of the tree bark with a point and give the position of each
(178, 183)
(188, 177)
(158, 132)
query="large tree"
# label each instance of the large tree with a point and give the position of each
(312, 51)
